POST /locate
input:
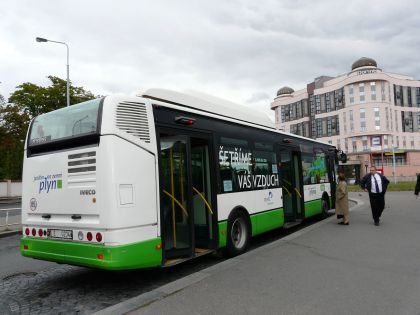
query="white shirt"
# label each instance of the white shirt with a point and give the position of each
(373, 186)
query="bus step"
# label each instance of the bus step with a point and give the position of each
(197, 253)
(289, 225)
(202, 251)
(173, 262)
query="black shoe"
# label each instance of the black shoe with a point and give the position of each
(340, 216)
(377, 223)
(342, 223)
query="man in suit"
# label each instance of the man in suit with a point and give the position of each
(417, 188)
(375, 184)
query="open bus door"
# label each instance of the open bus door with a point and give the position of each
(187, 195)
(292, 186)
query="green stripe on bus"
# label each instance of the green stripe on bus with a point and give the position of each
(222, 233)
(131, 256)
(266, 221)
(313, 208)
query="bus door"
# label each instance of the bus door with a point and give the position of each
(291, 182)
(332, 175)
(187, 214)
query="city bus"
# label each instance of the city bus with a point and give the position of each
(129, 182)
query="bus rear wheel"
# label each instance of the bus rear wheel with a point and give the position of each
(324, 208)
(238, 235)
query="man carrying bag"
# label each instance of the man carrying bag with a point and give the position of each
(375, 184)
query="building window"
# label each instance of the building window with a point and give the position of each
(418, 96)
(390, 119)
(383, 91)
(373, 91)
(410, 102)
(351, 93)
(345, 122)
(398, 141)
(396, 120)
(362, 119)
(365, 143)
(329, 125)
(418, 121)
(354, 144)
(346, 145)
(362, 92)
(385, 137)
(351, 121)
(412, 142)
(317, 104)
(328, 102)
(338, 144)
(404, 142)
(377, 119)
(319, 127)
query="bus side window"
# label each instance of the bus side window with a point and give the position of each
(235, 163)
(265, 165)
(314, 168)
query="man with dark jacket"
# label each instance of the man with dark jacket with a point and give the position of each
(417, 188)
(375, 184)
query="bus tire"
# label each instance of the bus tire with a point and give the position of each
(324, 207)
(238, 233)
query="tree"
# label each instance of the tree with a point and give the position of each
(36, 100)
(26, 102)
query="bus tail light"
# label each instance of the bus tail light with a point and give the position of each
(100, 256)
(89, 236)
(25, 247)
(98, 237)
(33, 232)
(27, 231)
(40, 232)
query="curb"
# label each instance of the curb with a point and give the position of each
(4, 234)
(160, 293)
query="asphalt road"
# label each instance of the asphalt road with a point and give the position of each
(31, 286)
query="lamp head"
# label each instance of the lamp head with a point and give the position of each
(41, 40)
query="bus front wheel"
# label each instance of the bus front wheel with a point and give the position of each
(238, 234)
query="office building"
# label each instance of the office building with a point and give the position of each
(372, 115)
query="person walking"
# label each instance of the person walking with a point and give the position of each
(375, 184)
(342, 200)
(417, 188)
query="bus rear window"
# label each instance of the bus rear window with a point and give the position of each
(67, 123)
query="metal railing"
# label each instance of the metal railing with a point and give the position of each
(7, 224)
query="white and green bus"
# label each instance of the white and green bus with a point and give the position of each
(135, 182)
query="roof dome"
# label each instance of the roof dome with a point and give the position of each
(363, 62)
(285, 90)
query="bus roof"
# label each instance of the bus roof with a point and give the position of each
(214, 105)
(211, 104)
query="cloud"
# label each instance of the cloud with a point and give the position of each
(243, 51)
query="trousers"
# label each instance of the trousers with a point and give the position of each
(377, 205)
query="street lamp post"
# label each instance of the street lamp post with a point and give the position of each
(44, 40)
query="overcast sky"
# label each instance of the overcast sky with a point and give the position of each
(243, 51)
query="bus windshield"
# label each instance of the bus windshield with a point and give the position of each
(66, 123)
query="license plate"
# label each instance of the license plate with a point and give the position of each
(61, 234)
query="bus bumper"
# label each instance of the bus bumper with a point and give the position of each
(144, 254)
